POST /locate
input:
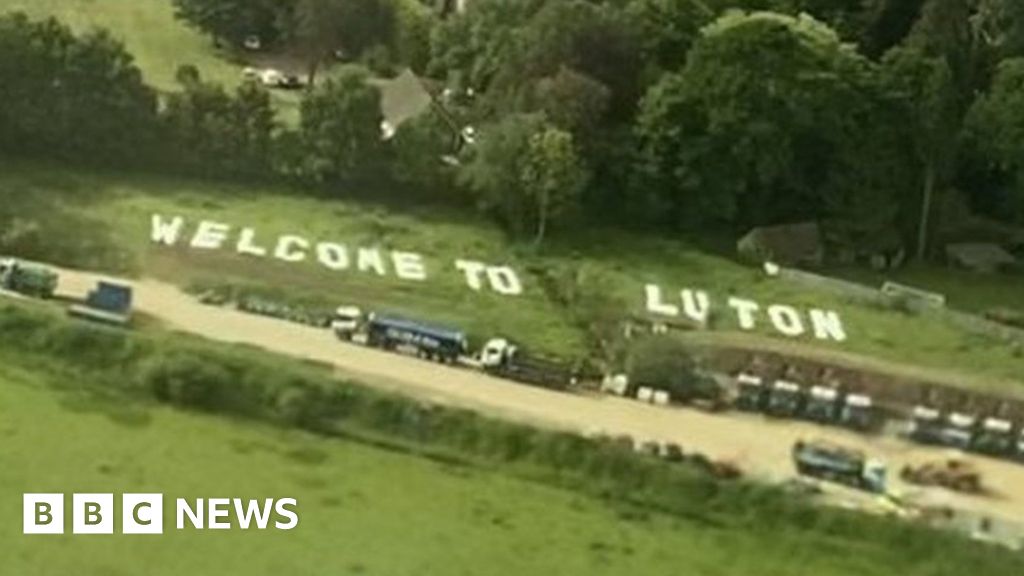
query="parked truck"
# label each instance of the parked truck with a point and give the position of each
(505, 359)
(347, 322)
(751, 393)
(822, 404)
(834, 463)
(925, 425)
(426, 341)
(28, 279)
(958, 430)
(995, 437)
(109, 303)
(785, 399)
(858, 412)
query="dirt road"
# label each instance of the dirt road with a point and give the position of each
(761, 447)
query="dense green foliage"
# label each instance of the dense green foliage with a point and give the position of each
(71, 97)
(875, 119)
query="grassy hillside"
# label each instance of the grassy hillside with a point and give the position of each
(159, 42)
(369, 510)
(102, 221)
(149, 30)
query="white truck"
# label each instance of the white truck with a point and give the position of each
(347, 322)
(503, 358)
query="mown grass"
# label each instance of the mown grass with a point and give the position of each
(159, 42)
(102, 221)
(371, 509)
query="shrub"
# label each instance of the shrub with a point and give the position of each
(663, 362)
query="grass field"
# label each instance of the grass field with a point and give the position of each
(366, 510)
(159, 42)
(102, 221)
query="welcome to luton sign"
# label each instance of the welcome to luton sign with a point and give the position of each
(694, 305)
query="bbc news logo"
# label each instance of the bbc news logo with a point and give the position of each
(144, 514)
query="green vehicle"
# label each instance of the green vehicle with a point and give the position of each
(28, 279)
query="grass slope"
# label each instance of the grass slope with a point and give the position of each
(159, 42)
(363, 510)
(102, 221)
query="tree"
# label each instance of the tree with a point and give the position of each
(419, 145)
(926, 87)
(572, 101)
(492, 173)
(340, 129)
(552, 176)
(216, 134)
(233, 21)
(995, 130)
(323, 27)
(669, 28)
(72, 97)
(663, 362)
(749, 131)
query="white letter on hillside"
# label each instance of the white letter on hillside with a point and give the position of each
(745, 310)
(210, 235)
(195, 517)
(333, 256)
(286, 248)
(246, 244)
(786, 320)
(504, 281)
(409, 266)
(252, 510)
(655, 304)
(369, 259)
(473, 271)
(166, 232)
(827, 325)
(696, 305)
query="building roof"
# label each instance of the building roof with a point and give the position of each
(979, 256)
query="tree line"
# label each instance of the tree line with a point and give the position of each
(885, 120)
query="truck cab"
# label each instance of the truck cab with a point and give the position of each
(925, 425)
(994, 437)
(857, 412)
(751, 392)
(496, 353)
(959, 430)
(346, 321)
(822, 404)
(785, 399)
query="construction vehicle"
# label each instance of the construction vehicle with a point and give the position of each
(925, 425)
(26, 278)
(785, 399)
(994, 437)
(505, 359)
(109, 303)
(857, 412)
(430, 342)
(834, 463)
(751, 393)
(952, 474)
(822, 405)
(346, 322)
